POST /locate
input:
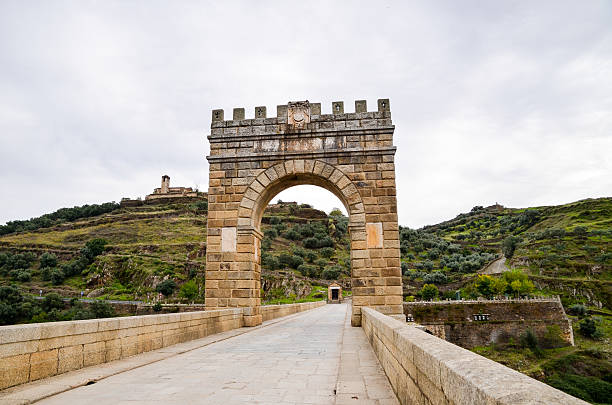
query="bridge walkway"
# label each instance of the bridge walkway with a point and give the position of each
(315, 357)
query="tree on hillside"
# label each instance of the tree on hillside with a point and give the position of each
(189, 290)
(518, 283)
(429, 292)
(48, 260)
(335, 212)
(166, 287)
(489, 286)
(509, 245)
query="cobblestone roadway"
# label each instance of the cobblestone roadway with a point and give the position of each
(303, 360)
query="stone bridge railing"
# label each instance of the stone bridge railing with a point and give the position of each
(424, 369)
(34, 351)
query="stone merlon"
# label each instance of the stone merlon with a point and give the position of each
(311, 113)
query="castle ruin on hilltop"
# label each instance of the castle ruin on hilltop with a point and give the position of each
(165, 191)
(166, 194)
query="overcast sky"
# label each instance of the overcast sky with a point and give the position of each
(493, 101)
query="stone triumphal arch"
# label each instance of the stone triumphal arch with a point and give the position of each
(252, 160)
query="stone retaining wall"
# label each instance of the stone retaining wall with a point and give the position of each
(455, 321)
(424, 369)
(35, 351)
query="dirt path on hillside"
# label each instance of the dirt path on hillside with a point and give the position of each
(496, 267)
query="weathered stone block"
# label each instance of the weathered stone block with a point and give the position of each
(43, 364)
(94, 353)
(70, 358)
(15, 370)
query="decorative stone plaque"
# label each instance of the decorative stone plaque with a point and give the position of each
(228, 239)
(298, 114)
(374, 234)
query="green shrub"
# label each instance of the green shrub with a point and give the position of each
(589, 328)
(321, 263)
(427, 265)
(45, 273)
(271, 233)
(56, 276)
(9, 261)
(298, 251)
(11, 302)
(310, 256)
(327, 252)
(157, 307)
(306, 230)
(311, 243)
(269, 261)
(53, 301)
(291, 234)
(48, 260)
(199, 206)
(309, 270)
(189, 290)
(93, 248)
(437, 277)
(20, 275)
(288, 260)
(166, 287)
(101, 309)
(429, 292)
(529, 340)
(59, 216)
(326, 241)
(578, 310)
(331, 272)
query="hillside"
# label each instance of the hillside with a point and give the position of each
(146, 244)
(564, 249)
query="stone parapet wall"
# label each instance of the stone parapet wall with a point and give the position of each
(276, 311)
(424, 369)
(34, 351)
(454, 320)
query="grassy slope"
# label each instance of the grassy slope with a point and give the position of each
(565, 249)
(148, 243)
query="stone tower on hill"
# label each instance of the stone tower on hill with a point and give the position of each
(165, 191)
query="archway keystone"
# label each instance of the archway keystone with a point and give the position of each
(252, 160)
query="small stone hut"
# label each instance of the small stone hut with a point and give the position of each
(334, 293)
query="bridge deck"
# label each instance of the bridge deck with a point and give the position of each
(312, 358)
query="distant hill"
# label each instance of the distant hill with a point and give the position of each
(565, 249)
(148, 243)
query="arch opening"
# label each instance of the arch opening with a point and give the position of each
(301, 257)
(289, 181)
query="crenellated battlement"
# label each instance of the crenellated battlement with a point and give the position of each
(301, 116)
(299, 129)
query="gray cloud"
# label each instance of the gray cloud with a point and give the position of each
(506, 102)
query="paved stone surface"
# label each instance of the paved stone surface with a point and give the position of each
(313, 358)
